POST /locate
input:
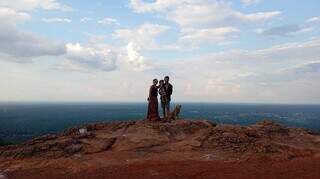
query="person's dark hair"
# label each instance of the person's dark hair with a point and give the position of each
(155, 79)
(167, 77)
(161, 81)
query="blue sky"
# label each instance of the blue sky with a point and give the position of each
(214, 50)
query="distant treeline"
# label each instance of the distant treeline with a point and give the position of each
(2, 143)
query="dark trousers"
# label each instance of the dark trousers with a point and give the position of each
(165, 108)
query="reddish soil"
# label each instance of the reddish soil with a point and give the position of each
(180, 149)
(296, 168)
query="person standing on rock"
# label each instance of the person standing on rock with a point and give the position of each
(153, 113)
(163, 97)
(168, 91)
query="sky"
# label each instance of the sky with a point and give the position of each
(255, 51)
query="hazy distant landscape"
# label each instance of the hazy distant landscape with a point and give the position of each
(23, 121)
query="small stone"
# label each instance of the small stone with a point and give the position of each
(83, 131)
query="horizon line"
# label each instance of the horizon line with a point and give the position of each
(174, 102)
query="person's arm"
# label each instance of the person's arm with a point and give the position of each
(170, 90)
(149, 93)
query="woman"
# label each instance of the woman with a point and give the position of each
(153, 114)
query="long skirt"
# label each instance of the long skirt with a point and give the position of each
(153, 113)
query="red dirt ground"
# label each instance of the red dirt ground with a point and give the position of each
(296, 168)
(179, 149)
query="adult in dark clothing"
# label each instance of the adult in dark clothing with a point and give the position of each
(163, 97)
(153, 113)
(168, 90)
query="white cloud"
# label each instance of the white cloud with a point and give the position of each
(256, 17)
(108, 21)
(257, 75)
(135, 58)
(20, 45)
(284, 54)
(159, 5)
(28, 5)
(215, 88)
(201, 14)
(314, 19)
(82, 58)
(96, 56)
(212, 35)
(10, 16)
(220, 87)
(249, 2)
(268, 65)
(214, 15)
(233, 75)
(197, 18)
(85, 19)
(144, 36)
(56, 19)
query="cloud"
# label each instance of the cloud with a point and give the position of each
(255, 75)
(283, 54)
(201, 14)
(286, 30)
(80, 58)
(144, 36)
(214, 14)
(135, 58)
(28, 5)
(249, 2)
(247, 67)
(274, 65)
(291, 29)
(56, 19)
(19, 45)
(96, 56)
(108, 21)
(85, 19)
(215, 88)
(197, 18)
(212, 35)
(314, 19)
(159, 5)
(256, 17)
(10, 16)
(294, 83)
(306, 68)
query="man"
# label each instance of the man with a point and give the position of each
(168, 89)
(163, 97)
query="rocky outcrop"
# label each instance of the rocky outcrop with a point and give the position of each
(265, 137)
(141, 149)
